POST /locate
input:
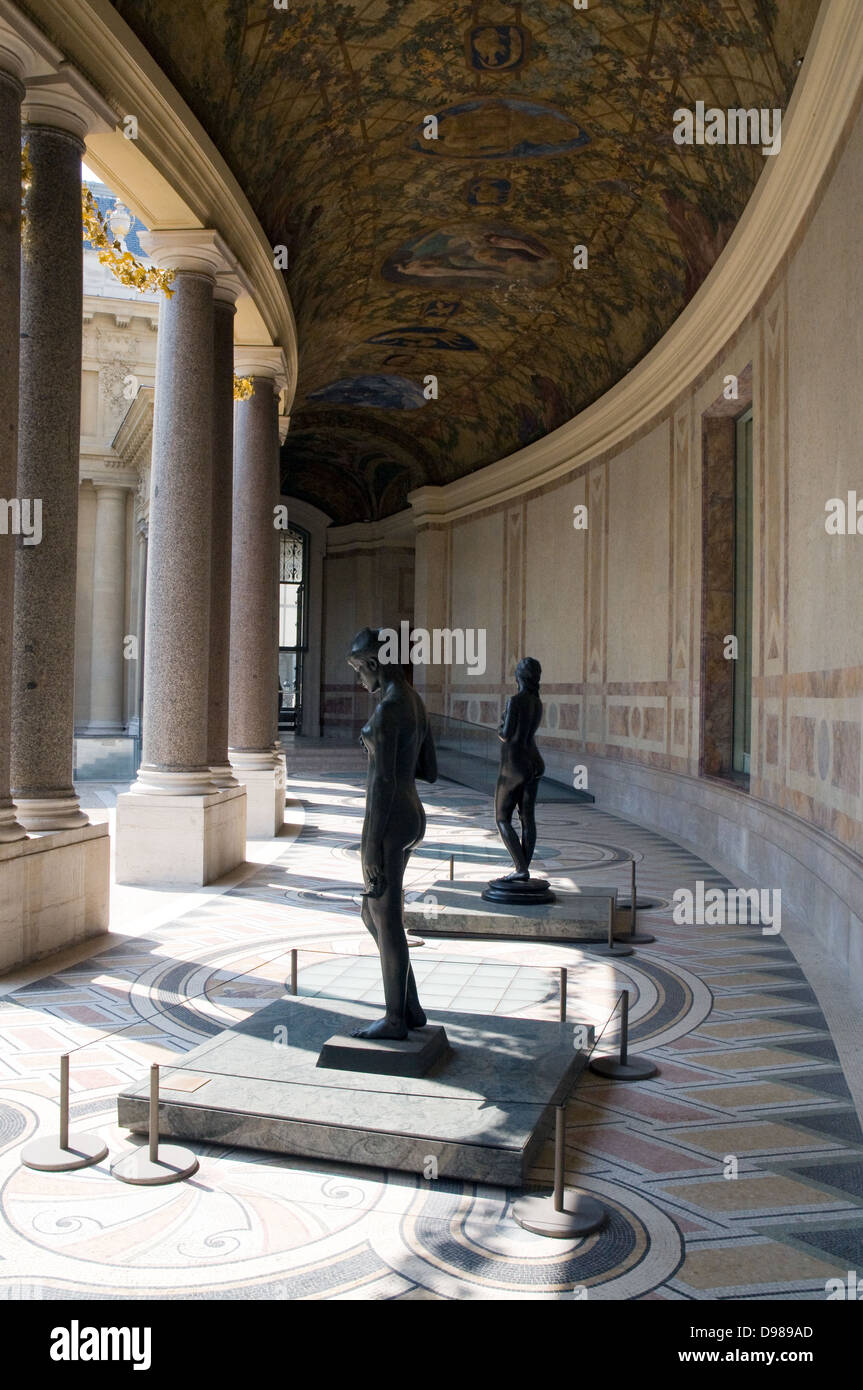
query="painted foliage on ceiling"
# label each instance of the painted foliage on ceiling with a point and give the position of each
(431, 167)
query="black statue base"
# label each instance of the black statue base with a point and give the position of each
(518, 890)
(414, 1055)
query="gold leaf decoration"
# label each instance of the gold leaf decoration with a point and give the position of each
(122, 264)
(26, 179)
(243, 388)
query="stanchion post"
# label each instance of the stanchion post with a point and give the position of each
(559, 1154)
(565, 1212)
(153, 1116)
(641, 937)
(563, 991)
(64, 1101)
(294, 954)
(634, 895)
(614, 946)
(55, 1153)
(155, 1164)
(624, 1027)
(624, 1067)
(451, 867)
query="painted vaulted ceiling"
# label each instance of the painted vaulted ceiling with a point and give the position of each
(412, 257)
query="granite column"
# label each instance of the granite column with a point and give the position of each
(107, 672)
(253, 726)
(11, 92)
(43, 658)
(176, 825)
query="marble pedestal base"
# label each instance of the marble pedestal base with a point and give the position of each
(480, 1116)
(518, 892)
(459, 908)
(265, 798)
(182, 840)
(54, 889)
(414, 1055)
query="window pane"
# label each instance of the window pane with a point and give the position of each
(289, 615)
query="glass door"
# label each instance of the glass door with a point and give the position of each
(293, 560)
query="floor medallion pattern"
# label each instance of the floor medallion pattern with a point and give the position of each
(748, 1071)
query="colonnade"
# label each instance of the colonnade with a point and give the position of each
(209, 703)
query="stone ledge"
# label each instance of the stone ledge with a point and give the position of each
(40, 841)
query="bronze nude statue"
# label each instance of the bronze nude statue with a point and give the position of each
(399, 743)
(521, 768)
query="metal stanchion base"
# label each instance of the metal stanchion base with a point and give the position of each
(49, 1156)
(639, 938)
(414, 940)
(581, 1214)
(633, 1069)
(618, 949)
(173, 1164)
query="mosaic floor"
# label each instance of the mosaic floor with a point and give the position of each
(750, 1083)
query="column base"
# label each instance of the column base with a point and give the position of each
(49, 813)
(54, 891)
(158, 781)
(185, 841)
(263, 776)
(10, 828)
(222, 775)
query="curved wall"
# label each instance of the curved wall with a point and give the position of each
(616, 612)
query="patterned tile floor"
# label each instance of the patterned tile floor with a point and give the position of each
(750, 1081)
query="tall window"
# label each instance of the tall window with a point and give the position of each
(726, 619)
(742, 734)
(293, 561)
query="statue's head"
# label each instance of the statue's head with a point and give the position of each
(365, 657)
(528, 673)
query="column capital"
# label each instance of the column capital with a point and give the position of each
(25, 51)
(259, 360)
(64, 100)
(231, 284)
(199, 250)
(108, 489)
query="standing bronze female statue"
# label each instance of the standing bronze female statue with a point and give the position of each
(398, 740)
(521, 768)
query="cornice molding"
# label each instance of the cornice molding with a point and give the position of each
(826, 96)
(394, 530)
(170, 138)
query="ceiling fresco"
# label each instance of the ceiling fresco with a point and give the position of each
(431, 168)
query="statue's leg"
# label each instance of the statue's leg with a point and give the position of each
(415, 1015)
(528, 819)
(369, 921)
(388, 928)
(505, 802)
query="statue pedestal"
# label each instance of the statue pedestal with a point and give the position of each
(519, 891)
(463, 908)
(482, 1117)
(414, 1055)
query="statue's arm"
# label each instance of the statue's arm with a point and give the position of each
(381, 795)
(507, 724)
(427, 760)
